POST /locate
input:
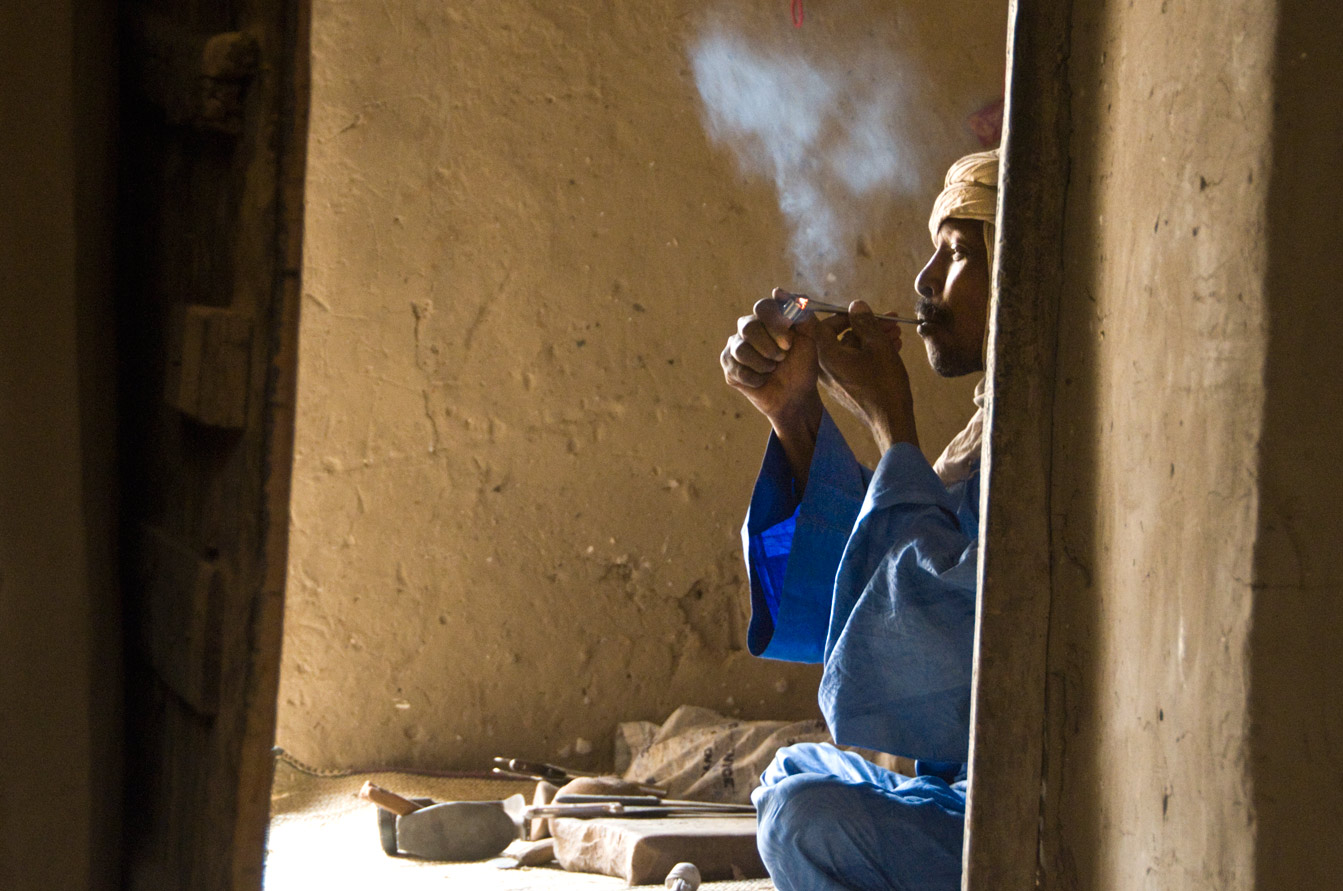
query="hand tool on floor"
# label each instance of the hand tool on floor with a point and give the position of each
(519, 768)
(450, 830)
(388, 800)
(477, 830)
(616, 809)
(581, 811)
(643, 801)
(537, 770)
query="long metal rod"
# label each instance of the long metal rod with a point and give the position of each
(802, 302)
(821, 306)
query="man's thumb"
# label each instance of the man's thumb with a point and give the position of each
(861, 318)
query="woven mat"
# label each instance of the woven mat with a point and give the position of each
(323, 836)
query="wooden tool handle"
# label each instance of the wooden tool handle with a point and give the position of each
(388, 801)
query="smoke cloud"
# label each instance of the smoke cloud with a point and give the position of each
(829, 134)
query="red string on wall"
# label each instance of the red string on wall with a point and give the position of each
(797, 13)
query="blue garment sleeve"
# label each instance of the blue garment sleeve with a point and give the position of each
(899, 648)
(793, 548)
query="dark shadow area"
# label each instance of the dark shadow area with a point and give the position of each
(1296, 660)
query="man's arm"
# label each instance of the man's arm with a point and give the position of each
(864, 372)
(773, 364)
(793, 544)
(901, 636)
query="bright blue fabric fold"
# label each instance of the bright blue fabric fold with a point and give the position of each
(793, 548)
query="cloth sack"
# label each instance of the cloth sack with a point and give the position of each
(700, 755)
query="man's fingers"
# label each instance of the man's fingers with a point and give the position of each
(752, 338)
(748, 378)
(867, 329)
(770, 314)
(891, 330)
(824, 331)
(738, 374)
(746, 354)
(753, 373)
(752, 330)
(861, 318)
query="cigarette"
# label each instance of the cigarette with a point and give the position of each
(794, 305)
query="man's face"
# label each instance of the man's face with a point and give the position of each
(954, 299)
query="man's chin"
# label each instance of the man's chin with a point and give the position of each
(934, 358)
(946, 363)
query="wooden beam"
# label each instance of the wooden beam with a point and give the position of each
(1007, 710)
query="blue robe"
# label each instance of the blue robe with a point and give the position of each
(872, 573)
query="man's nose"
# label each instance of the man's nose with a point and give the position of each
(928, 283)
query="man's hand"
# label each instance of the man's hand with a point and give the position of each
(863, 370)
(774, 365)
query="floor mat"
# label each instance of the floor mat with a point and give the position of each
(322, 835)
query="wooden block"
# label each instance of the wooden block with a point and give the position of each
(643, 851)
(209, 365)
(197, 80)
(182, 595)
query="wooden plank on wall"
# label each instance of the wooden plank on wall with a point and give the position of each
(1007, 712)
(208, 364)
(180, 631)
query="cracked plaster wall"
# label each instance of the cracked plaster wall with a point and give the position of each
(519, 478)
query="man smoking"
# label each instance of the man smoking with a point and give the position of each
(872, 573)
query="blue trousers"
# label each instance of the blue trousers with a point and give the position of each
(830, 819)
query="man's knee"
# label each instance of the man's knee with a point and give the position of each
(817, 831)
(813, 832)
(785, 808)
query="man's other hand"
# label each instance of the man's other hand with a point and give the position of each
(859, 361)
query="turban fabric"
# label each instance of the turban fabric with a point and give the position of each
(970, 193)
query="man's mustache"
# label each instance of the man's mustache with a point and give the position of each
(933, 313)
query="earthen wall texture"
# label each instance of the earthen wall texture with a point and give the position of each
(519, 477)
(1158, 418)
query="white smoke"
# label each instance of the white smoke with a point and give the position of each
(829, 134)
